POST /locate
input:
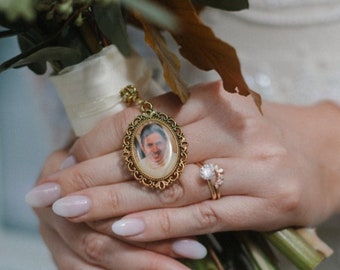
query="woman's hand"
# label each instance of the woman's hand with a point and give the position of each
(279, 170)
(77, 246)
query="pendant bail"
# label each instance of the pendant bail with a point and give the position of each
(129, 95)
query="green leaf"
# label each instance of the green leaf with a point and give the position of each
(153, 12)
(38, 68)
(111, 22)
(27, 41)
(50, 54)
(231, 5)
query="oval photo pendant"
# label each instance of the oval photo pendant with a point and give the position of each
(155, 149)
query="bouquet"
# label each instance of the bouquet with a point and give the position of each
(63, 33)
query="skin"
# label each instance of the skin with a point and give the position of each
(281, 165)
(78, 246)
(154, 147)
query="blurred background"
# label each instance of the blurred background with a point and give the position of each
(32, 125)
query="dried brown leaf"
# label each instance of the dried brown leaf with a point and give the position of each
(170, 62)
(203, 49)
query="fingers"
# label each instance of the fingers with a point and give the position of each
(95, 172)
(84, 247)
(105, 192)
(63, 256)
(114, 200)
(52, 163)
(110, 168)
(226, 214)
(100, 171)
(187, 247)
(119, 199)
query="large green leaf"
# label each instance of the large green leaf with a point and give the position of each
(28, 41)
(110, 21)
(50, 54)
(31, 42)
(231, 5)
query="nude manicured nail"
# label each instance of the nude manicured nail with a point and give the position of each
(128, 227)
(43, 195)
(72, 206)
(68, 162)
(190, 249)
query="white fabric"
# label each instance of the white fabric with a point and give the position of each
(90, 89)
(285, 63)
(292, 12)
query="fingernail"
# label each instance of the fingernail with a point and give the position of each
(43, 195)
(72, 206)
(128, 227)
(190, 249)
(68, 162)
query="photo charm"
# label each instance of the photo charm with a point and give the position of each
(154, 146)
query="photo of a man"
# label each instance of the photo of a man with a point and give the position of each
(157, 158)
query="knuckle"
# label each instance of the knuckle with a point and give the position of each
(288, 198)
(94, 247)
(81, 149)
(51, 165)
(114, 200)
(268, 157)
(273, 153)
(206, 216)
(78, 179)
(122, 121)
(172, 194)
(165, 222)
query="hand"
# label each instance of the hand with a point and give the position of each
(77, 246)
(278, 170)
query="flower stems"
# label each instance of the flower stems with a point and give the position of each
(291, 244)
(257, 249)
(249, 250)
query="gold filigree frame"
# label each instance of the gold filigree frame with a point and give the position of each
(132, 160)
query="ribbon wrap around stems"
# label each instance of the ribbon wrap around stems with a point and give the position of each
(89, 90)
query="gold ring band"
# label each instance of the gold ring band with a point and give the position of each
(210, 173)
(213, 191)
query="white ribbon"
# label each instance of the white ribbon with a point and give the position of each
(90, 89)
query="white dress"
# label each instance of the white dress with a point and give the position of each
(289, 49)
